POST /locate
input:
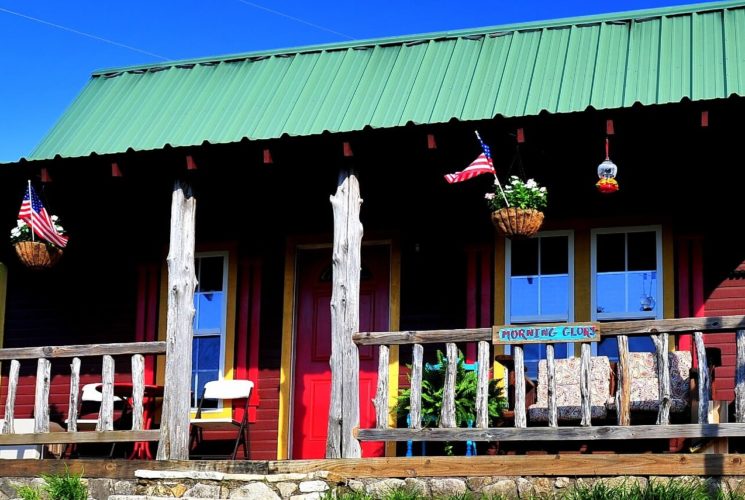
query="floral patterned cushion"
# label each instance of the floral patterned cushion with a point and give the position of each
(568, 397)
(645, 388)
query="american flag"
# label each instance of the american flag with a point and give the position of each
(35, 215)
(481, 165)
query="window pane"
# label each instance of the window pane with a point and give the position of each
(206, 353)
(210, 274)
(641, 344)
(554, 255)
(642, 291)
(611, 252)
(532, 354)
(524, 257)
(642, 251)
(209, 311)
(611, 291)
(523, 296)
(555, 295)
(608, 347)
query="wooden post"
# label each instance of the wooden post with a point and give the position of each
(106, 413)
(553, 415)
(381, 395)
(72, 408)
(138, 391)
(585, 373)
(174, 427)
(10, 402)
(520, 417)
(623, 393)
(482, 387)
(740, 378)
(415, 397)
(41, 396)
(703, 379)
(447, 419)
(663, 377)
(344, 406)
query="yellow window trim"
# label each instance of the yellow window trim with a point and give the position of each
(230, 316)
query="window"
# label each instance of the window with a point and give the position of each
(210, 303)
(540, 287)
(626, 280)
(627, 273)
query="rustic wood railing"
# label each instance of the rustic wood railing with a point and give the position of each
(105, 432)
(660, 330)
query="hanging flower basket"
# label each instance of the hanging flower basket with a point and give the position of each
(517, 222)
(37, 255)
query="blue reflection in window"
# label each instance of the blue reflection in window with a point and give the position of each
(554, 295)
(209, 311)
(611, 291)
(205, 358)
(642, 290)
(524, 296)
(609, 346)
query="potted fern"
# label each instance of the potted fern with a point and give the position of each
(466, 381)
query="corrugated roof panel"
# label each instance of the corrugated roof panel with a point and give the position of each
(734, 50)
(457, 80)
(487, 77)
(579, 68)
(545, 84)
(655, 56)
(429, 82)
(372, 84)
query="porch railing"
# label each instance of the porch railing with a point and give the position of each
(660, 330)
(105, 432)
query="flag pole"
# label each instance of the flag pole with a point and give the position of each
(31, 204)
(496, 179)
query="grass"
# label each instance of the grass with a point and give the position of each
(659, 490)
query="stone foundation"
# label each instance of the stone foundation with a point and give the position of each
(153, 485)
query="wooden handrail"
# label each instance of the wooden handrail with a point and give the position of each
(81, 350)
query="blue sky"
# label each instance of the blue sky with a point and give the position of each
(46, 61)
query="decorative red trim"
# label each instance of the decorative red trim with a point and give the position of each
(431, 142)
(115, 170)
(348, 149)
(253, 353)
(247, 330)
(268, 157)
(609, 129)
(151, 322)
(190, 163)
(704, 119)
(520, 135)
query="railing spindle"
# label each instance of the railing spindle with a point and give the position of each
(553, 415)
(138, 391)
(704, 384)
(623, 392)
(72, 407)
(106, 413)
(415, 396)
(482, 387)
(381, 395)
(520, 417)
(585, 372)
(447, 419)
(10, 401)
(41, 397)
(740, 378)
(661, 343)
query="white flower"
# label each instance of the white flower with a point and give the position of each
(531, 183)
(543, 190)
(55, 218)
(489, 196)
(15, 231)
(20, 223)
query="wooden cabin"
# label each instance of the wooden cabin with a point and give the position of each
(264, 140)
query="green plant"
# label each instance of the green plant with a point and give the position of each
(28, 493)
(669, 490)
(433, 386)
(518, 194)
(65, 486)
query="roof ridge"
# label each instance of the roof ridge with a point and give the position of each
(642, 14)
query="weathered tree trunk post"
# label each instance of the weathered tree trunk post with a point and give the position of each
(740, 378)
(623, 393)
(344, 406)
(174, 427)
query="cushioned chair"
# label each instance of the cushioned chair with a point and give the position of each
(645, 394)
(223, 390)
(568, 399)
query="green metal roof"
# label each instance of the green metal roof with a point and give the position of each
(611, 61)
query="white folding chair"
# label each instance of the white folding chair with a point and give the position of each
(223, 390)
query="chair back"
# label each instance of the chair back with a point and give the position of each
(228, 389)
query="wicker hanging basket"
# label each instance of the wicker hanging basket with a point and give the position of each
(37, 255)
(517, 223)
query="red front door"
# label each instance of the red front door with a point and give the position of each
(312, 388)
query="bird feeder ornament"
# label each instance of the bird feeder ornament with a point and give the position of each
(607, 174)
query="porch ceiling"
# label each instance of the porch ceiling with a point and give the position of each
(612, 61)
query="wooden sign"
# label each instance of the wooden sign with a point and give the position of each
(546, 334)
